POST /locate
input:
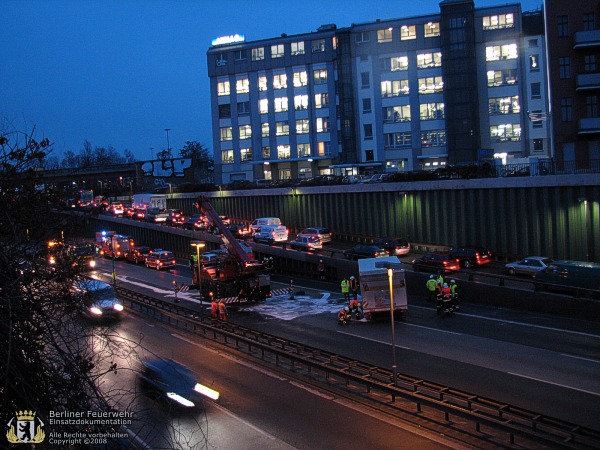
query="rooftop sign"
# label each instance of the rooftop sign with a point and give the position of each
(232, 38)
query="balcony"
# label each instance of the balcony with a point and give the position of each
(587, 39)
(588, 81)
(589, 125)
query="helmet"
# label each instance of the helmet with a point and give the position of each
(452, 282)
(445, 285)
(320, 260)
(352, 278)
(430, 276)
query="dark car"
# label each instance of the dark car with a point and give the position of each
(196, 222)
(396, 247)
(160, 260)
(172, 382)
(306, 243)
(470, 256)
(137, 254)
(97, 299)
(240, 231)
(175, 217)
(436, 262)
(322, 233)
(365, 251)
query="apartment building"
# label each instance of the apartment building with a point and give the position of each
(464, 85)
(573, 39)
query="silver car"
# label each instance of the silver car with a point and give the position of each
(321, 233)
(528, 266)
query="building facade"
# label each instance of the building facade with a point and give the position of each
(573, 40)
(461, 86)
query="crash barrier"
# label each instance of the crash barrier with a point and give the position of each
(492, 421)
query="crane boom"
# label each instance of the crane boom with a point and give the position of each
(233, 246)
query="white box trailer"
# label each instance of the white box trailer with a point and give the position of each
(375, 288)
(147, 201)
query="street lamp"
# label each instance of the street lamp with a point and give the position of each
(199, 245)
(390, 266)
(114, 273)
(168, 144)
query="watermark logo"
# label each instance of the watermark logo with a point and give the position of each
(22, 428)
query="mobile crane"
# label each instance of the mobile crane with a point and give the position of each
(234, 273)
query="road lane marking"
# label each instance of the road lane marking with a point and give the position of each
(580, 357)
(374, 340)
(555, 384)
(514, 322)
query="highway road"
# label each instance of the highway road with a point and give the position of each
(542, 363)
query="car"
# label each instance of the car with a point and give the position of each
(226, 220)
(137, 254)
(322, 233)
(396, 247)
(196, 222)
(376, 178)
(470, 256)
(117, 209)
(528, 266)
(240, 231)
(157, 215)
(306, 243)
(175, 217)
(139, 214)
(96, 299)
(172, 382)
(436, 262)
(353, 179)
(365, 251)
(162, 259)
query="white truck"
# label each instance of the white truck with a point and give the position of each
(375, 288)
(147, 201)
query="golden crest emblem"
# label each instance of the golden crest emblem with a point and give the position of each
(22, 428)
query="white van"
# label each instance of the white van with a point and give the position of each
(264, 221)
(271, 234)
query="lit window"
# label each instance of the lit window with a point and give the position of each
(501, 52)
(283, 152)
(300, 79)
(282, 128)
(297, 48)
(277, 51)
(322, 124)
(223, 88)
(303, 150)
(504, 105)
(300, 102)
(408, 32)
(431, 111)
(242, 86)
(263, 85)
(226, 133)
(280, 81)
(394, 88)
(322, 100)
(396, 140)
(266, 151)
(323, 148)
(263, 105)
(430, 85)
(433, 138)
(384, 35)
(502, 77)
(427, 60)
(320, 76)
(534, 63)
(302, 126)
(498, 21)
(505, 132)
(245, 131)
(246, 154)
(399, 63)
(227, 156)
(258, 54)
(281, 104)
(432, 29)
(393, 114)
(264, 127)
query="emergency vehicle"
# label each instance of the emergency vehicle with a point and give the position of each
(113, 245)
(375, 288)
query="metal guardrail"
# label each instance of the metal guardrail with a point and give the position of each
(504, 419)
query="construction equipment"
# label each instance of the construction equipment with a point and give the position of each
(232, 274)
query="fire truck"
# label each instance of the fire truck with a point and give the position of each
(232, 273)
(113, 245)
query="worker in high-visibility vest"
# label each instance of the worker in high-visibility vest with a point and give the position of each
(431, 287)
(214, 309)
(345, 284)
(222, 311)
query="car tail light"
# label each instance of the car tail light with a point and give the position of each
(173, 261)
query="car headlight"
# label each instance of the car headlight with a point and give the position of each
(205, 390)
(118, 307)
(92, 263)
(181, 400)
(96, 311)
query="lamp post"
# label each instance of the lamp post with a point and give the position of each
(112, 247)
(168, 144)
(199, 245)
(390, 266)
